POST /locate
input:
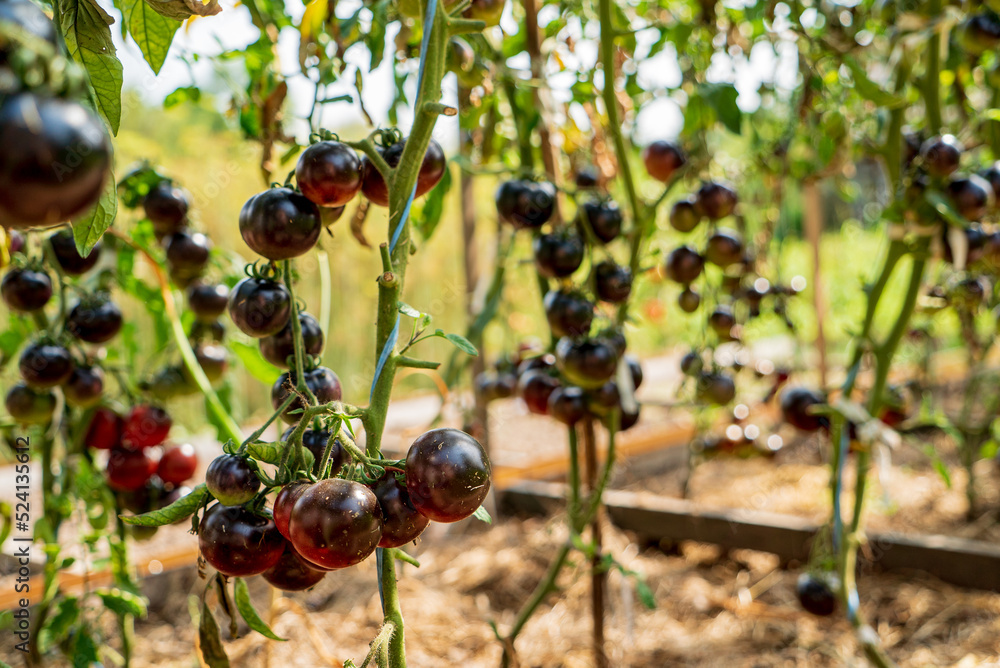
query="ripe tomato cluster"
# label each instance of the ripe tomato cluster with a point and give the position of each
(57, 155)
(337, 522)
(146, 474)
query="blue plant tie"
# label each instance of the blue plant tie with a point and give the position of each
(838, 521)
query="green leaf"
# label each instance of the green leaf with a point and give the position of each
(459, 342)
(870, 90)
(84, 650)
(175, 512)
(57, 626)
(151, 31)
(180, 95)
(430, 214)
(122, 602)
(483, 515)
(210, 640)
(722, 98)
(408, 310)
(86, 29)
(271, 453)
(255, 363)
(87, 231)
(944, 207)
(645, 593)
(249, 614)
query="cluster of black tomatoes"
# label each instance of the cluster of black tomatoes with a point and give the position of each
(188, 256)
(47, 362)
(336, 522)
(577, 380)
(56, 154)
(533, 375)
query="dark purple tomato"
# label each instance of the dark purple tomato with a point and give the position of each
(401, 523)
(187, 254)
(260, 307)
(971, 196)
(69, 260)
(588, 363)
(329, 173)
(684, 265)
(692, 364)
(715, 200)
(128, 470)
(146, 425)
(284, 502)
(535, 387)
(629, 419)
(635, 369)
(568, 313)
(84, 387)
(238, 543)
(323, 383)
(431, 170)
(336, 523)
(315, 441)
(663, 159)
(447, 474)
(689, 300)
(716, 388)
(94, 319)
(724, 248)
(213, 360)
(55, 162)
(941, 155)
(604, 218)
(166, 206)
(105, 430)
(491, 386)
(992, 176)
(279, 348)
(292, 572)
(230, 479)
(722, 321)
(525, 204)
(587, 177)
(178, 464)
(604, 399)
(558, 255)
(684, 215)
(614, 337)
(568, 404)
(44, 365)
(26, 289)
(612, 282)
(540, 362)
(29, 406)
(280, 224)
(816, 593)
(207, 302)
(796, 403)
